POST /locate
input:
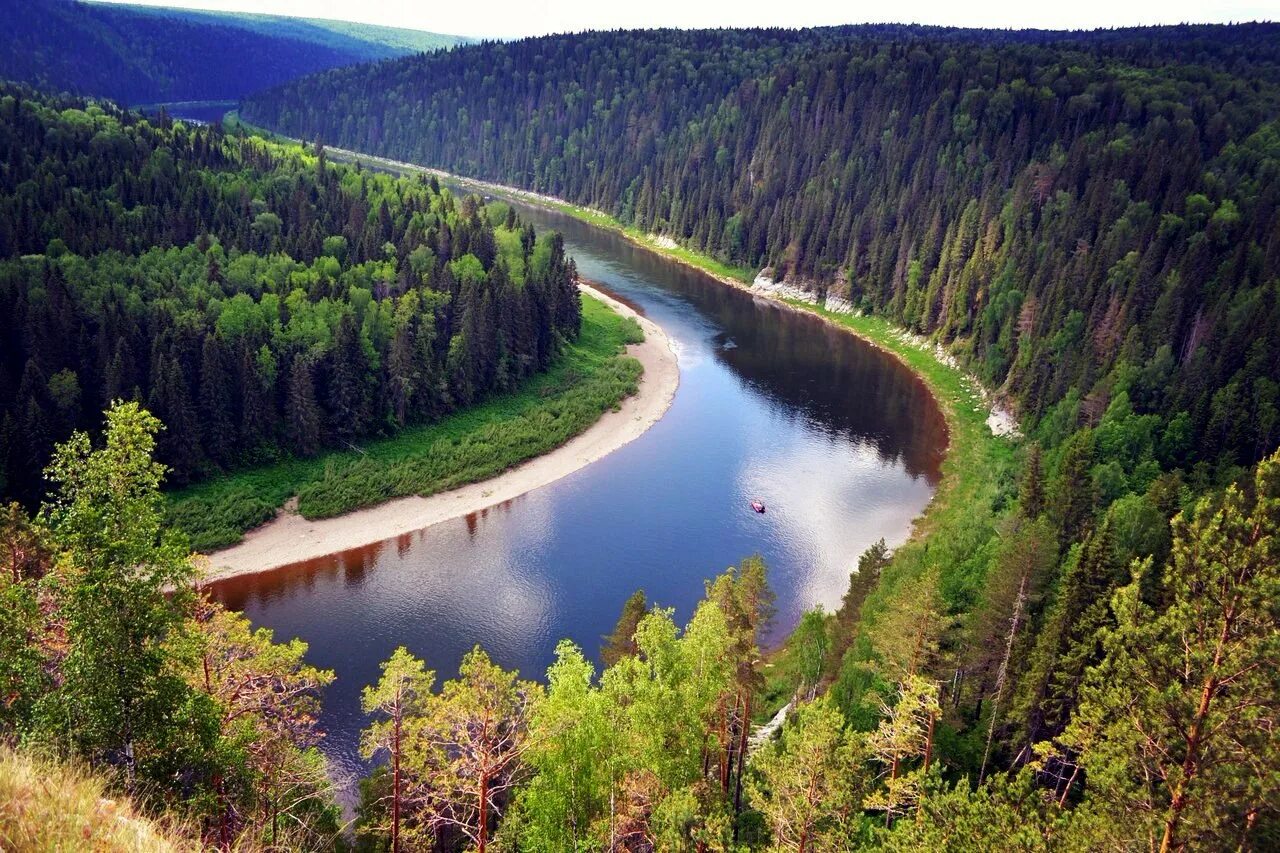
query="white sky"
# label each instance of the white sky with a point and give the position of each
(510, 18)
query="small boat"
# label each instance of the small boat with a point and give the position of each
(757, 505)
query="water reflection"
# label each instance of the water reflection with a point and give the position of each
(840, 440)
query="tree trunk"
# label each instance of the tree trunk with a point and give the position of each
(1014, 621)
(893, 774)
(928, 742)
(484, 813)
(742, 764)
(395, 786)
(1191, 764)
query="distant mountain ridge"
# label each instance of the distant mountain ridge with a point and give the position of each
(136, 54)
(370, 40)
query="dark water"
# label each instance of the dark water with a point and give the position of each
(840, 441)
(199, 112)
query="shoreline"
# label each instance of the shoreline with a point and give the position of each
(1001, 421)
(980, 433)
(289, 538)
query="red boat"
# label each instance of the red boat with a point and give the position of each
(758, 506)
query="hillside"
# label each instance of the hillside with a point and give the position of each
(48, 805)
(1088, 222)
(1057, 207)
(138, 55)
(1077, 647)
(368, 41)
(261, 301)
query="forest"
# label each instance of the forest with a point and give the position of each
(1088, 222)
(1087, 213)
(1077, 650)
(114, 656)
(258, 300)
(144, 55)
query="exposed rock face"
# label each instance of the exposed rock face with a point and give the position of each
(803, 290)
(1000, 420)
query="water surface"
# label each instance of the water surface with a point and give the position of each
(841, 441)
(194, 112)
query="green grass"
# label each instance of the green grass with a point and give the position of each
(589, 378)
(956, 531)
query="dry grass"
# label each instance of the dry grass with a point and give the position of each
(47, 806)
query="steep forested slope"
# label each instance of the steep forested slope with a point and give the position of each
(1091, 222)
(1093, 212)
(141, 55)
(257, 299)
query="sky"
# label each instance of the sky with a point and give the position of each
(513, 18)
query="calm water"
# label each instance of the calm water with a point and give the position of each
(200, 112)
(841, 441)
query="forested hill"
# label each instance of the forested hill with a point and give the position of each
(257, 299)
(1078, 214)
(1089, 221)
(138, 55)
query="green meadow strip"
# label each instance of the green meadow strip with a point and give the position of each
(592, 376)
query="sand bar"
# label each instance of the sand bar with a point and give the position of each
(290, 538)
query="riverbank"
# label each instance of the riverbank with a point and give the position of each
(977, 471)
(291, 538)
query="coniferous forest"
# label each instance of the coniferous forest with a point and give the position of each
(1077, 649)
(257, 300)
(1076, 215)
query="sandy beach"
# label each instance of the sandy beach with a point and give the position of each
(290, 538)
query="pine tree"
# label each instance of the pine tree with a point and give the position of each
(304, 412)
(1067, 644)
(905, 734)
(808, 783)
(621, 642)
(1031, 498)
(1071, 495)
(401, 695)
(349, 393)
(469, 746)
(269, 780)
(1173, 730)
(218, 433)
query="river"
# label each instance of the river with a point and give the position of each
(841, 441)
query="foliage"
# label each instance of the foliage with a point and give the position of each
(621, 642)
(589, 378)
(1097, 212)
(809, 782)
(1174, 728)
(258, 299)
(112, 659)
(120, 701)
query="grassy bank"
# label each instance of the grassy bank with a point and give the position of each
(589, 378)
(956, 533)
(48, 806)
